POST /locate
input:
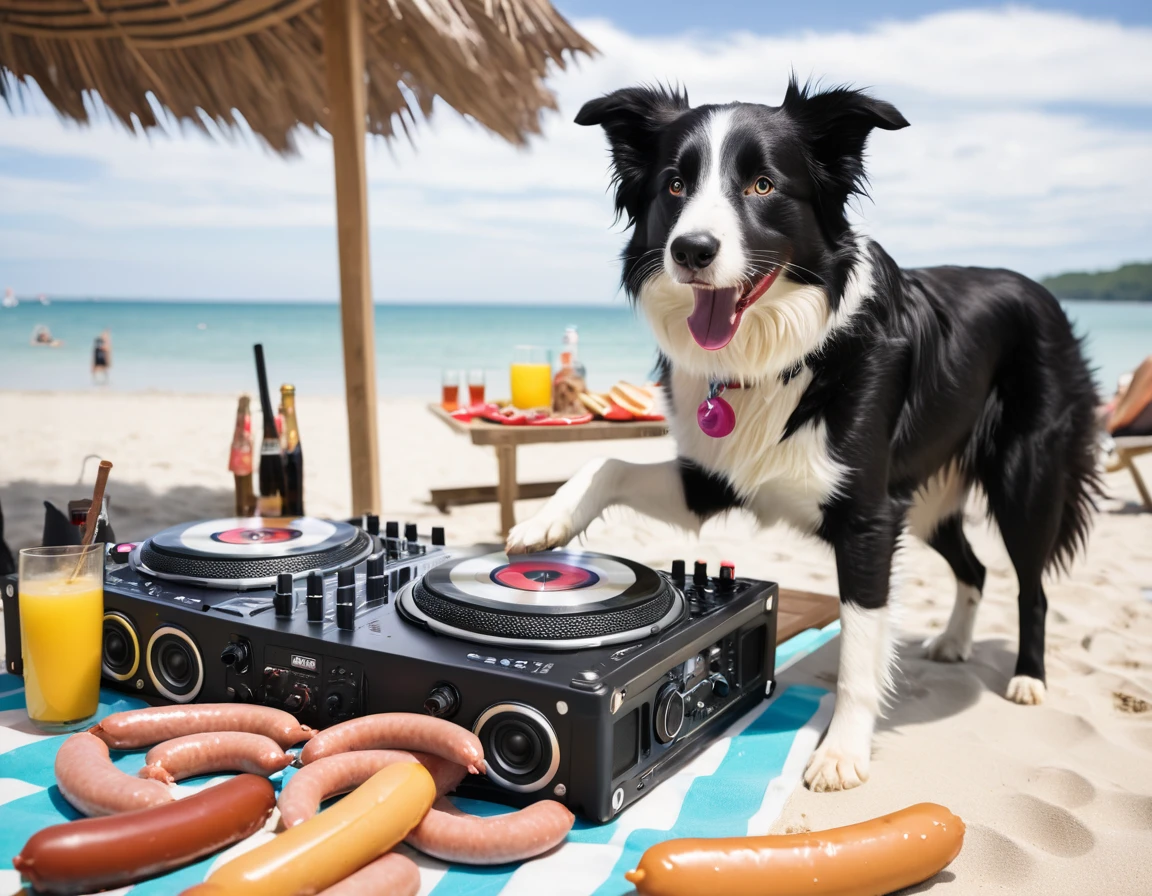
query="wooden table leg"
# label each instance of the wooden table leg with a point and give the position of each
(506, 487)
(1130, 463)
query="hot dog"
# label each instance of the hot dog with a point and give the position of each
(393, 875)
(449, 834)
(98, 853)
(402, 731)
(90, 782)
(145, 727)
(224, 751)
(326, 849)
(310, 786)
(866, 859)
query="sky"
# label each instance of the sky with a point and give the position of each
(1029, 148)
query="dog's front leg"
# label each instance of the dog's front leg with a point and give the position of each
(655, 490)
(865, 549)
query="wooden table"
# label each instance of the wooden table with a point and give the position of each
(506, 439)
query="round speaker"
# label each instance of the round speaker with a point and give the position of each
(175, 666)
(520, 746)
(120, 655)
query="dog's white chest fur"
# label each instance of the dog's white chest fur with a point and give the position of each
(779, 479)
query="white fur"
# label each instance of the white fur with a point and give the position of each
(708, 209)
(1027, 690)
(864, 681)
(954, 644)
(942, 496)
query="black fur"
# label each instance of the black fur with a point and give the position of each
(969, 366)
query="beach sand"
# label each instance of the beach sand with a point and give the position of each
(1057, 798)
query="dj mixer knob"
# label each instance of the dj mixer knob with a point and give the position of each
(235, 654)
(669, 712)
(284, 601)
(346, 599)
(700, 575)
(376, 587)
(438, 536)
(410, 533)
(315, 598)
(372, 524)
(678, 573)
(727, 576)
(442, 701)
(392, 529)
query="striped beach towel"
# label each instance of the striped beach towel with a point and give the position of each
(737, 786)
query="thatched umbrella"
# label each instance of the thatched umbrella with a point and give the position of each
(347, 67)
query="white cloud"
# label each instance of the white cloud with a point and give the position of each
(994, 170)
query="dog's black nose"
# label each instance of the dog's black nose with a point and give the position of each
(695, 250)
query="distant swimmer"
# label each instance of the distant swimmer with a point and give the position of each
(42, 336)
(102, 357)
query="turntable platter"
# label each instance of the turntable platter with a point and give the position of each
(242, 553)
(549, 601)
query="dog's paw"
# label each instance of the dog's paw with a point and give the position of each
(548, 529)
(1027, 690)
(833, 768)
(949, 647)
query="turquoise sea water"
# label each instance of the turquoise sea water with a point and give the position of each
(207, 346)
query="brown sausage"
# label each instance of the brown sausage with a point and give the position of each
(866, 859)
(89, 781)
(399, 731)
(392, 874)
(449, 834)
(99, 853)
(310, 786)
(224, 751)
(138, 728)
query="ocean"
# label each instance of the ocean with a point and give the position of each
(206, 347)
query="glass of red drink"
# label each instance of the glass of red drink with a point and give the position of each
(476, 386)
(450, 390)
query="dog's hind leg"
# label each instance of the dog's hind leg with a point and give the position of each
(656, 490)
(954, 644)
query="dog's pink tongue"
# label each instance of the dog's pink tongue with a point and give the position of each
(714, 320)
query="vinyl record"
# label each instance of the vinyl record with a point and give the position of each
(254, 537)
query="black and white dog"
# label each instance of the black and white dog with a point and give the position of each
(869, 399)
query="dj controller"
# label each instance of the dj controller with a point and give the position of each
(588, 678)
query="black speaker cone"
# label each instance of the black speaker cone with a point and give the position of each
(174, 664)
(121, 651)
(520, 746)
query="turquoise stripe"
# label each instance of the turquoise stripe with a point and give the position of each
(806, 642)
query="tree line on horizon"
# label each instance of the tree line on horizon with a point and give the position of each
(1127, 283)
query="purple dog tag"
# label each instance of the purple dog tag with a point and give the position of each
(715, 417)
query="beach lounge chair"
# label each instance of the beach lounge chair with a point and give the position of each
(1125, 450)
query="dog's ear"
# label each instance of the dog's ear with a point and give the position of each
(632, 119)
(835, 125)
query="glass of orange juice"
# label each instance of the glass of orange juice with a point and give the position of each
(531, 377)
(61, 633)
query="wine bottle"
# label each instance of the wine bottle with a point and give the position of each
(240, 459)
(293, 455)
(271, 501)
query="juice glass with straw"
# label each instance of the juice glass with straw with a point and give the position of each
(61, 633)
(531, 378)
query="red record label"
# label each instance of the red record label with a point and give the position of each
(543, 575)
(261, 535)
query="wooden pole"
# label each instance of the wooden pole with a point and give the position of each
(344, 61)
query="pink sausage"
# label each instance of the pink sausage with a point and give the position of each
(223, 751)
(391, 874)
(145, 727)
(310, 786)
(449, 834)
(402, 731)
(90, 782)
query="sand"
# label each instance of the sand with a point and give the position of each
(1058, 798)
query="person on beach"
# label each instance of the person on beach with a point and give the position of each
(1129, 413)
(102, 357)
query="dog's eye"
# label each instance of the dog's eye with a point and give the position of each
(676, 186)
(762, 187)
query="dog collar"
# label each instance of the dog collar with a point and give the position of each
(715, 416)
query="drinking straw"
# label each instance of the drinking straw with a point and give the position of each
(93, 514)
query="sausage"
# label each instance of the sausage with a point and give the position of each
(402, 731)
(310, 786)
(326, 849)
(393, 875)
(866, 859)
(138, 728)
(99, 853)
(224, 751)
(89, 781)
(449, 834)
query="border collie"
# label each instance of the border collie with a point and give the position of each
(869, 400)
